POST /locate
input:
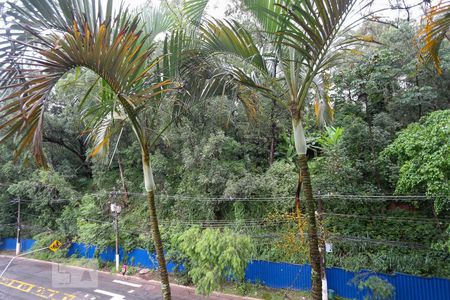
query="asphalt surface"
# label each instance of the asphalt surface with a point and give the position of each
(26, 280)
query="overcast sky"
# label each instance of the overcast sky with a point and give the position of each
(217, 8)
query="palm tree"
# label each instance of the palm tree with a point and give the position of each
(307, 38)
(434, 32)
(68, 34)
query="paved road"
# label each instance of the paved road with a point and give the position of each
(31, 279)
(26, 280)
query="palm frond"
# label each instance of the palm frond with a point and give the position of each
(431, 36)
(194, 10)
(157, 19)
(268, 13)
(322, 102)
(117, 56)
(60, 15)
(230, 37)
(312, 29)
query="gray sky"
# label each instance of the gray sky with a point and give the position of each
(217, 8)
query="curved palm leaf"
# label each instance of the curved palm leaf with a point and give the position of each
(60, 15)
(268, 13)
(117, 55)
(313, 30)
(230, 37)
(194, 10)
(157, 19)
(432, 35)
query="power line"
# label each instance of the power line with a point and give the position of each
(42, 200)
(376, 198)
(96, 221)
(405, 244)
(275, 237)
(400, 219)
(367, 198)
(350, 197)
(202, 198)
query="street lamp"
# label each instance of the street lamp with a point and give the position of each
(115, 210)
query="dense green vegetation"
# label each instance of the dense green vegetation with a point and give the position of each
(380, 172)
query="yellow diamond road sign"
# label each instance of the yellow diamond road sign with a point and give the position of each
(55, 246)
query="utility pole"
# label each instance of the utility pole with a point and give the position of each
(322, 247)
(115, 210)
(18, 228)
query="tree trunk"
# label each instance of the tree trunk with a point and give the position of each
(314, 252)
(273, 134)
(165, 287)
(150, 187)
(124, 184)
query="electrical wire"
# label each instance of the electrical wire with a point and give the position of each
(376, 198)
(250, 224)
(276, 237)
(328, 197)
(405, 244)
(400, 219)
(51, 201)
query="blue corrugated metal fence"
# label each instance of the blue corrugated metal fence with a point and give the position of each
(10, 244)
(281, 275)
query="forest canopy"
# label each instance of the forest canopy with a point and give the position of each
(223, 150)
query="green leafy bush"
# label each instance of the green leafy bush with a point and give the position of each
(419, 158)
(376, 287)
(213, 256)
(44, 240)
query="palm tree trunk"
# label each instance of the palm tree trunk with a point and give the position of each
(156, 235)
(314, 252)
(165, 287)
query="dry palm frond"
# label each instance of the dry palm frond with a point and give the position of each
(431, 36)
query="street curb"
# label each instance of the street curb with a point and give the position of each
(188, 289)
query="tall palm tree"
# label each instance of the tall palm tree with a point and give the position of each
(435, 30)
(68, 34)
(307, 38)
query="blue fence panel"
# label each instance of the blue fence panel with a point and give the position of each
(81, 250)
(26, 245)
(141, 258)
(407, 287)
(339, 281)
(9, 244)
(279, 275)
(109, 254)
(417, 288)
